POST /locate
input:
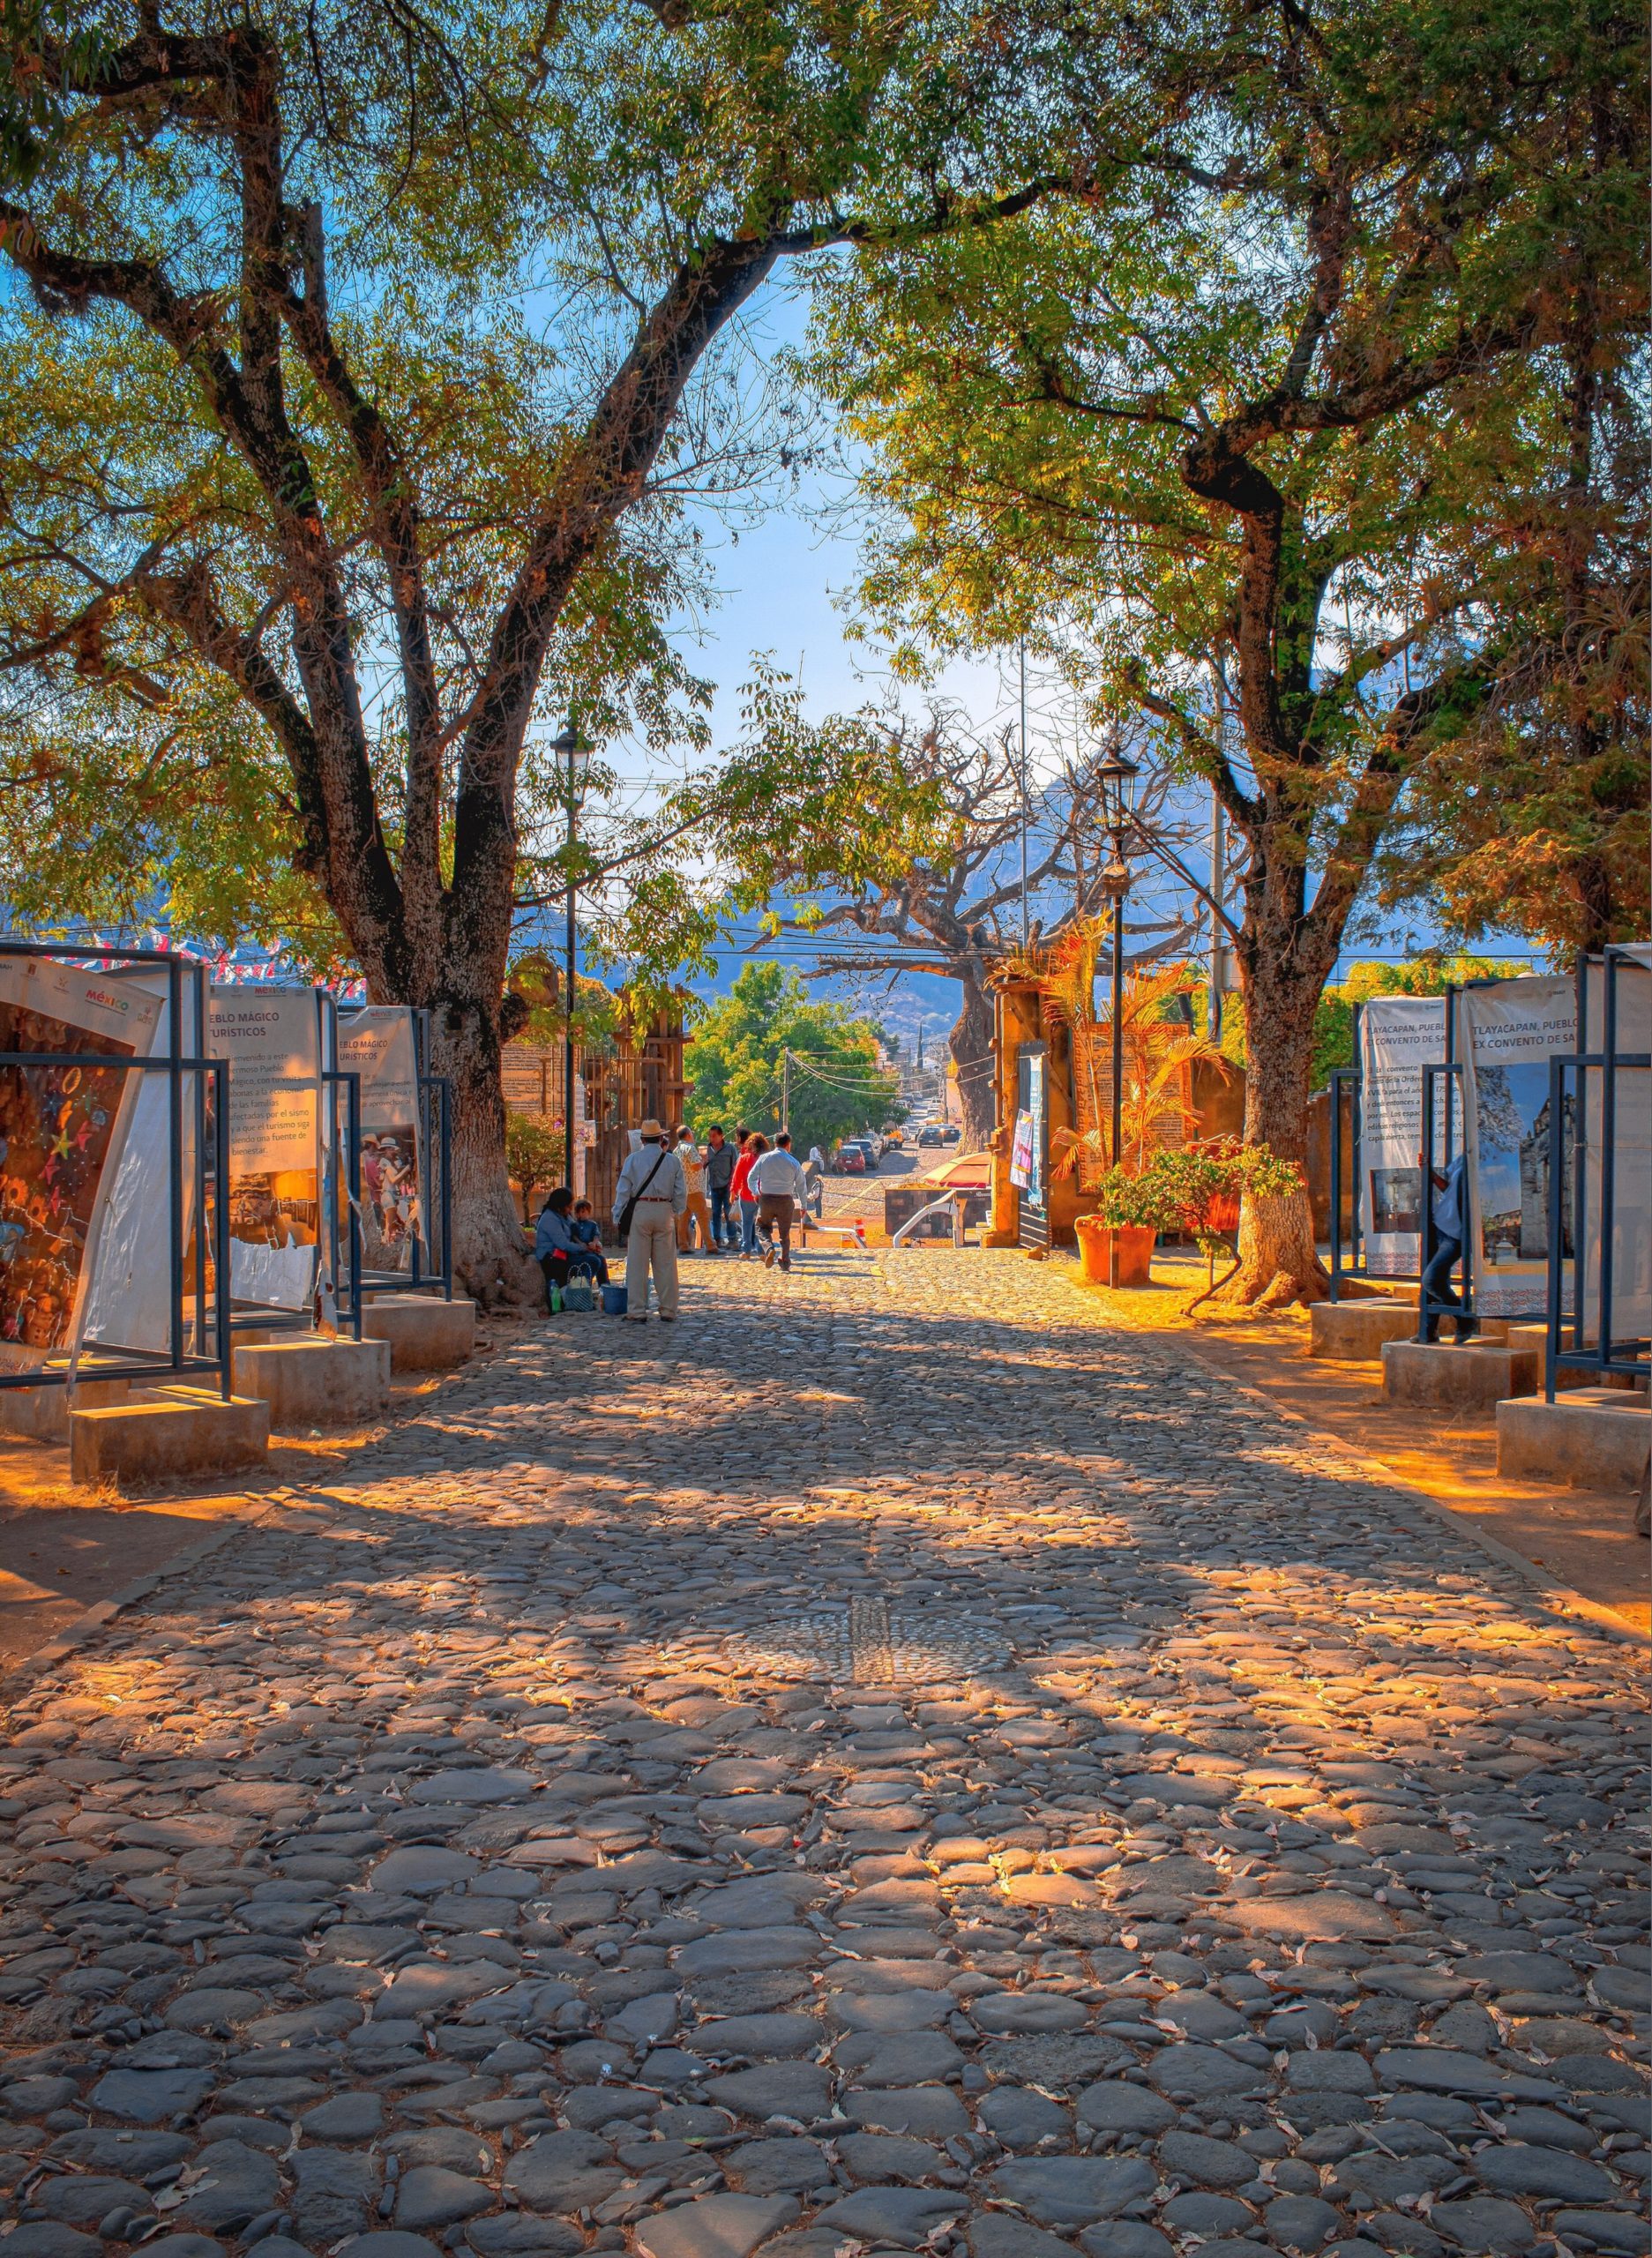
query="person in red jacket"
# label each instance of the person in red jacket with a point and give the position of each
(742, 1196)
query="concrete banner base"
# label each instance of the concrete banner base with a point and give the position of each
(174, 1435)
(1447, 1376)
(1352, 1333)
(315, 1383)
(1595, 1438)
(425, 1335)
(43, 1413)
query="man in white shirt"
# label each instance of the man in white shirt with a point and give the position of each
(653, 1178)
(778, 1180)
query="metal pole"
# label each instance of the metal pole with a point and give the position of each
(1118, 1066)
(1218, 948)
(1218, 867)
(785, 1089)
(567, 1042)
(1025, 928)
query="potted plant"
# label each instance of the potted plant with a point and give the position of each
(1135, 1210)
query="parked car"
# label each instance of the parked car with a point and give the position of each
(851, 1161)
(871, 1149)
(952, 1134)
(931, 1133)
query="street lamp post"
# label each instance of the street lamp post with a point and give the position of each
(1117, 777)
(571, 747)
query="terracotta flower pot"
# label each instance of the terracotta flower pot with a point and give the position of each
(1136, 1244)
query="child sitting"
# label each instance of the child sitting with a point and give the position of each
(585, 1228)
(587, 1235)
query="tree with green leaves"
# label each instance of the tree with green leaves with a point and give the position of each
(1276, 404)
(357, 368)
(838, 1082)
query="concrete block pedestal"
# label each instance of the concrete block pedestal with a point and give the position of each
(1596, 1438)
(43, 1413)
(173, 1435)
(1444, 1376)
(315, 1383)
(425, 1335)
(1352, 1333)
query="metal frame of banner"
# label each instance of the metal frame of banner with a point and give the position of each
(435, 1099)
(211, 1317)
(1452, 1069)
(1346, 1079)
(1632, 1358)
(245, 1314)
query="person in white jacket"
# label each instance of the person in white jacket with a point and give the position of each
(654, 1178)
(778, 1180)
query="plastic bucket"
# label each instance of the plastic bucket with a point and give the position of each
(613, 1301)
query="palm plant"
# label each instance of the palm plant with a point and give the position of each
(1161, 1046)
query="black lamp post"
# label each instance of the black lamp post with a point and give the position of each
(571, 748)
(1117, 777)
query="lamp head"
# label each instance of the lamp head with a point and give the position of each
(573, 756)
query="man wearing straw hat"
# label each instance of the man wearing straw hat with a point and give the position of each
(651, 1194)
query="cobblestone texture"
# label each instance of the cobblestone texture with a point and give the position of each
(879, 1764)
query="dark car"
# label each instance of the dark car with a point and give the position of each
(869, 1147)
(933, 1134)
(952, 1134)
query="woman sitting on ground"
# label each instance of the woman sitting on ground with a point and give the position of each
(559, 1253)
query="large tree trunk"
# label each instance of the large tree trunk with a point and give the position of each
(970, 1043)
(489, 1260)
(1278, 1261)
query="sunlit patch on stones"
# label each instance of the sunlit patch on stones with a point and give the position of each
(866, 1642)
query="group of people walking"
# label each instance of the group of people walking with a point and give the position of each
(673, 1193)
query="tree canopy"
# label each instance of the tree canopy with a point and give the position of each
(1298, 420)
(357, 370)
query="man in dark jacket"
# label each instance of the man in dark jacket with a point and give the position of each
(720, 1160)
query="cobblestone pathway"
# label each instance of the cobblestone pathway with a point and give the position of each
(876, 1766)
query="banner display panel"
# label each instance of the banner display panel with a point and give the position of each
(61, 1133)
(1631, 1219)
(1398, 1037)
(1508, 1032)
(377, 1044)
(270, 1037)
(129, 1301)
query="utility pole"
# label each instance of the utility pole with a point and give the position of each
(785, 1089)
(1218, 864)
(1023, 659)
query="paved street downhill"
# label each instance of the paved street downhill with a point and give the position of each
(880, 1766)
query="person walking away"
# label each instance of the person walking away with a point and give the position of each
(650, 1195)
(1446, 1194)
(814, 1170)
(752, 1150)
(695, 1219)
(560, 1254)
(720, 1160)
(777, 1178)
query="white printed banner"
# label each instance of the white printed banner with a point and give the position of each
(377, 1044)
(62, 1129)
(1507, 1031)
(1398, 1037)
(272, 1038)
